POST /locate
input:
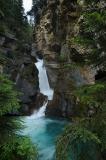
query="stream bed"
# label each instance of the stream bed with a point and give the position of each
(44, 132)
(41, 130)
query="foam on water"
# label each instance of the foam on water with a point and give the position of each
(44, 89)
(40, 113)
(41, 130)
(44, 132)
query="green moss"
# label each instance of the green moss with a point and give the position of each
(95, 21)
(82, 40)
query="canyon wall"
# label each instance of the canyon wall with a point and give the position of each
(57, 22)
(17, 61)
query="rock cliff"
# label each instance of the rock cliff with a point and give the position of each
(16, 61)
(57, 22)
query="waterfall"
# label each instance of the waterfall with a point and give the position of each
(43, 80)
(40, 113)
(44, 89)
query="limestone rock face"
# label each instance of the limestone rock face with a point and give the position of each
(58, 24)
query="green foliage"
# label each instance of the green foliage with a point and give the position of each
(92, 106)
(25, 146)
(8, 7)
(13, 19)
(8, 96)
(92, 95)
(12, 146)
(95, 21)
(26, 34)
(86, 137)
(82, 40)
(4, 59)
(77, 143)
(92, 34)
(18, 148)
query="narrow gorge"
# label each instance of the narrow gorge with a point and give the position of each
(52, 79)
(43, 131)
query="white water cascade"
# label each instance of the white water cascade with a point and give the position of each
(40, 113)
(43, 80)
(44, 89)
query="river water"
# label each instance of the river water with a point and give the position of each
(43, 131)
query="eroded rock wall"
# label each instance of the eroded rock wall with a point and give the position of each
(16, 62)
(58, 24)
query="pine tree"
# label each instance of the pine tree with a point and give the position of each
(12, 145)
(85, 138)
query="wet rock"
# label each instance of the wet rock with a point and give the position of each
(33, 51)
(2, 40)
(60, 106)
(57, 26)
(27, 82)
(27, 90)
(37, 101)
(21, 69)
(40, 99)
